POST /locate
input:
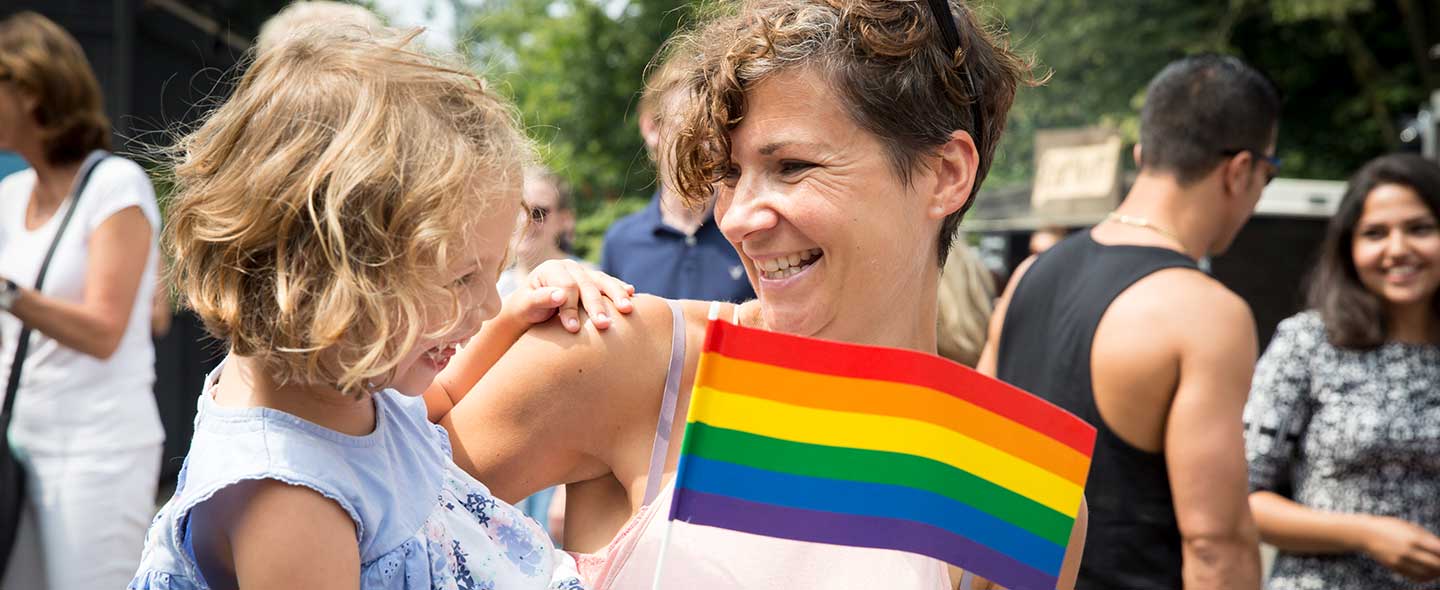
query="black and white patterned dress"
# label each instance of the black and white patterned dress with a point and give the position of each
(1341, 430)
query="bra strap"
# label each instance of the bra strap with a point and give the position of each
(661, 445)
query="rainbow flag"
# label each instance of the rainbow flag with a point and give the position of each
(864, 446)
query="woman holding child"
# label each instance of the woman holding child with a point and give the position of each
(842, 141)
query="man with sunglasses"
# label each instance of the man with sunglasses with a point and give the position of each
(1119, 326)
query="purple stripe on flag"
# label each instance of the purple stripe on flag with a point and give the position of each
(857, 531)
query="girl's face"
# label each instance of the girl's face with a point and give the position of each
(472, 276)
(1396, 246)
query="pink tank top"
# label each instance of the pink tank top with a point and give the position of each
(702, 558)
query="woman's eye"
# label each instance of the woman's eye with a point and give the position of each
(1373, 234)
(792, 166)
(1423, 229)
(732, 176)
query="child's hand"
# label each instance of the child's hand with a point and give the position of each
(564, 285)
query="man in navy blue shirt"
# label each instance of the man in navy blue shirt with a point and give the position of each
(667, 249)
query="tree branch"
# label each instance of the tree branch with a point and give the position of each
(1411, 15)
(1367, 72)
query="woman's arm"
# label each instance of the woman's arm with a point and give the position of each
(1069, 568)
(1401, 546)
(116, 257)
(560, 407)
(1294, 527)
(161, 312)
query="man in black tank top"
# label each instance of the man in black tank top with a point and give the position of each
(1120, 327)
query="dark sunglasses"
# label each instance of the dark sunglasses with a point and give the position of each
(1273, 161)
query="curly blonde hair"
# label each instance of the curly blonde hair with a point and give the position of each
(316, 211)
(883, 58)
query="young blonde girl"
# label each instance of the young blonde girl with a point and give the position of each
(340, 221)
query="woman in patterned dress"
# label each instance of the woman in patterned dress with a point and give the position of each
(1343, 424)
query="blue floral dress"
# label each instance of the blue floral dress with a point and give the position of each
(421, 523)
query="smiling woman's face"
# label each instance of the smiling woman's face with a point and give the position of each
(836, 245)
(1396, 246)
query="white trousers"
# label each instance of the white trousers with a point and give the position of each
(84, 519)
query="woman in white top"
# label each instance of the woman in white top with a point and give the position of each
(840, 143)
(85, 425)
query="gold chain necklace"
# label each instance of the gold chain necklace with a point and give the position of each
(1145, 223)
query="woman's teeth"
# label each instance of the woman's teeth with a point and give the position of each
(1401, 272)
(784, 266)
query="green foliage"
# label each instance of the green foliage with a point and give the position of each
(576, 68)
(1290, 11)
(1098, 54)
(1348, 69)
(590, 228)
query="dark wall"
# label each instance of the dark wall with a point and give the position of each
(159, 71)
(94, 24)
(1268, 264)
(154, 66)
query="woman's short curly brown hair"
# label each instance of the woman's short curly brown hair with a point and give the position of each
(885, 60)
(43, 60)
(316, 210)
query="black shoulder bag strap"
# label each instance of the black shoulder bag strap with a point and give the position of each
(22, 346)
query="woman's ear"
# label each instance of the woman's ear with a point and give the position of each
(957, 167)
